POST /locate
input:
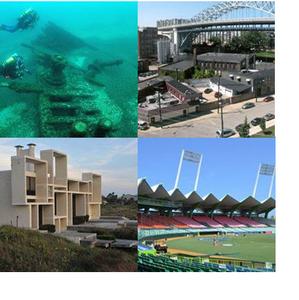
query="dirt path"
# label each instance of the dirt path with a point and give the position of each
(180, 251)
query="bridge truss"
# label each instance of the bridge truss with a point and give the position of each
(224, 19)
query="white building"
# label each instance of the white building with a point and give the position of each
(38, 192)
(163, 51)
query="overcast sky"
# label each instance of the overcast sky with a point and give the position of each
(115, 159)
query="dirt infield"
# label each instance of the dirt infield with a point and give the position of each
(184, 252)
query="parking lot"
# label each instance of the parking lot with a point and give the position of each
(207, 125)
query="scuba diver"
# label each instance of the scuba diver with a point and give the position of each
(26, 20)
(13, 67)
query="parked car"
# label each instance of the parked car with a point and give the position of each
(218, 95)
(142, 125)
(256, 121)
(269, 117)
(227, 132)
(203, 101)
(208, 90)
(248, 105)
(269, 98)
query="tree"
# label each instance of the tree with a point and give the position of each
(215, 41)
(251, 41)
(235, 45)
(200, 74)
(263, 125)
(254, 41)
(244, 130)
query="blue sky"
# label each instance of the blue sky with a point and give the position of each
(150, 12)
(229, 166)
(114, 158)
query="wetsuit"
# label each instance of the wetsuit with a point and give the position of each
(26, 20)
(13, 67)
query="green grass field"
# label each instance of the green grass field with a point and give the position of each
(256, 247)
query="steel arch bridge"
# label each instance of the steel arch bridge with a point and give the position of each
(224, 19)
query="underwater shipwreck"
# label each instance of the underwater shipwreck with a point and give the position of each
(71, 100)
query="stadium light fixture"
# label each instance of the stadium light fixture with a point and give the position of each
(192, 157)
(265, 170)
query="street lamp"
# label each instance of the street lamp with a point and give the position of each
(177, 74)
(157, 89)
(220, 102)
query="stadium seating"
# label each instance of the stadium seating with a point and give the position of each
(207, 221)
(157, 221)
(163, 263)
(189, 222)
(197, 224)
(249, 222)
(269, 222)
(226, 221)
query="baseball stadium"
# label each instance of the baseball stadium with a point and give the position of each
(189, 233)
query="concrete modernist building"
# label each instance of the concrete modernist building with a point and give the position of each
(37, 191)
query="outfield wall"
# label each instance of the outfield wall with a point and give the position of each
(144, 234)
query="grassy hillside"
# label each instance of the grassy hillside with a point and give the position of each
(128, 210)
(28, 251)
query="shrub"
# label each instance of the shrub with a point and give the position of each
(244, 130)
(263, 125)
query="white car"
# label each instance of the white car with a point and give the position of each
(227, 132)
(142, 125)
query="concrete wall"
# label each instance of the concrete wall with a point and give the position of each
(172, 114)
(18, 180)
(48, 156)
(42, 182)
(11, 215)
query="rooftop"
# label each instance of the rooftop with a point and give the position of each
(166, 101)
(181, 66)
(158, 192)
(154, 81)
(184, 89)
(222, 57)
(231, 84)
(254, 74)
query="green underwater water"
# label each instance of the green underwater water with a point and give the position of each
(111, 28)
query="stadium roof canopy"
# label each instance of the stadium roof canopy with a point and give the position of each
(158, 196)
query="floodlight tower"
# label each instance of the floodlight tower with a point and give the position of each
(193, 157)
(266, 170)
